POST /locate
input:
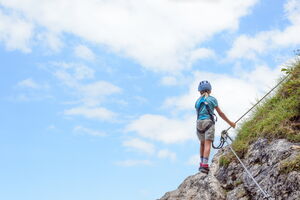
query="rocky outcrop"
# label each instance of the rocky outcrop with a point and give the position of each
(199, 186)
(264, 160)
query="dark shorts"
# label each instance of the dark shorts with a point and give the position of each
(209, 134)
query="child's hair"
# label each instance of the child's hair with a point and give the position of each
(205, 93)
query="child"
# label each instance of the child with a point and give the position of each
(205, 106)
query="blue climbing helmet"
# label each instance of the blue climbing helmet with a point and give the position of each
(204, 86)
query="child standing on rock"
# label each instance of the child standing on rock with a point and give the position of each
(205, 106)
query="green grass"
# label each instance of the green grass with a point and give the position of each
(289, 166)
(277, 117)
(224, 161)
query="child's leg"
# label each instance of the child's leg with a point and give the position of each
(207, 146)
(204, 161)
(202, 145)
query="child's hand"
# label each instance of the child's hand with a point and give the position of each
(232, 124)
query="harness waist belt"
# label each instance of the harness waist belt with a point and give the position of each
(206, 128)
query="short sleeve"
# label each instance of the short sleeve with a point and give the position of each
(214, 102)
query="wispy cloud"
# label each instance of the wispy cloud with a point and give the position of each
(98, 113)
(15, 32)
(165, 153)
(71, 73)
(201, 53)
(132, 163)
(84, 52)
(88, 131)
(90, 96)
(169, 80)
(30, 83)
(194, 160)
(31, 90)
(250, 47)
(94, 93)
(140, 145)
(50, 40)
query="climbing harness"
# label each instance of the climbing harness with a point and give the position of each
(225, 136)
(211, 114)
(206, 128)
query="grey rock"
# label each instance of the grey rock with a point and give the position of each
(238, 193)
(196, 187)
(263, 160)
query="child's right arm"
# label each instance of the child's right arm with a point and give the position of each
(223, 116)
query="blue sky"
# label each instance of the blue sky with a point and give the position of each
(97, 97)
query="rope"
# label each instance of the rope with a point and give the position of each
(222, 141)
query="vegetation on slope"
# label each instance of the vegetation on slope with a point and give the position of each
(277, 117)
(289, 166)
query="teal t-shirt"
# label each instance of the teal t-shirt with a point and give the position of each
(203, 113)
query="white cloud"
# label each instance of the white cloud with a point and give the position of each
(292, 7)
(88, 131)
(94, 93)
(234, 94)
(84, 52)
(169, 80)
(51, 40)
(161, 128)
(251, 46)
(31, 90)
(247, 47)
(165, 153)
(250, 84)
(72, 72)
(201, 53)
(29, 83)
(30, 96)
(131, 163)
(15, 32)
(90, 94)
(194, 160)
(140, 145)
(98, 113)
(159, 34)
